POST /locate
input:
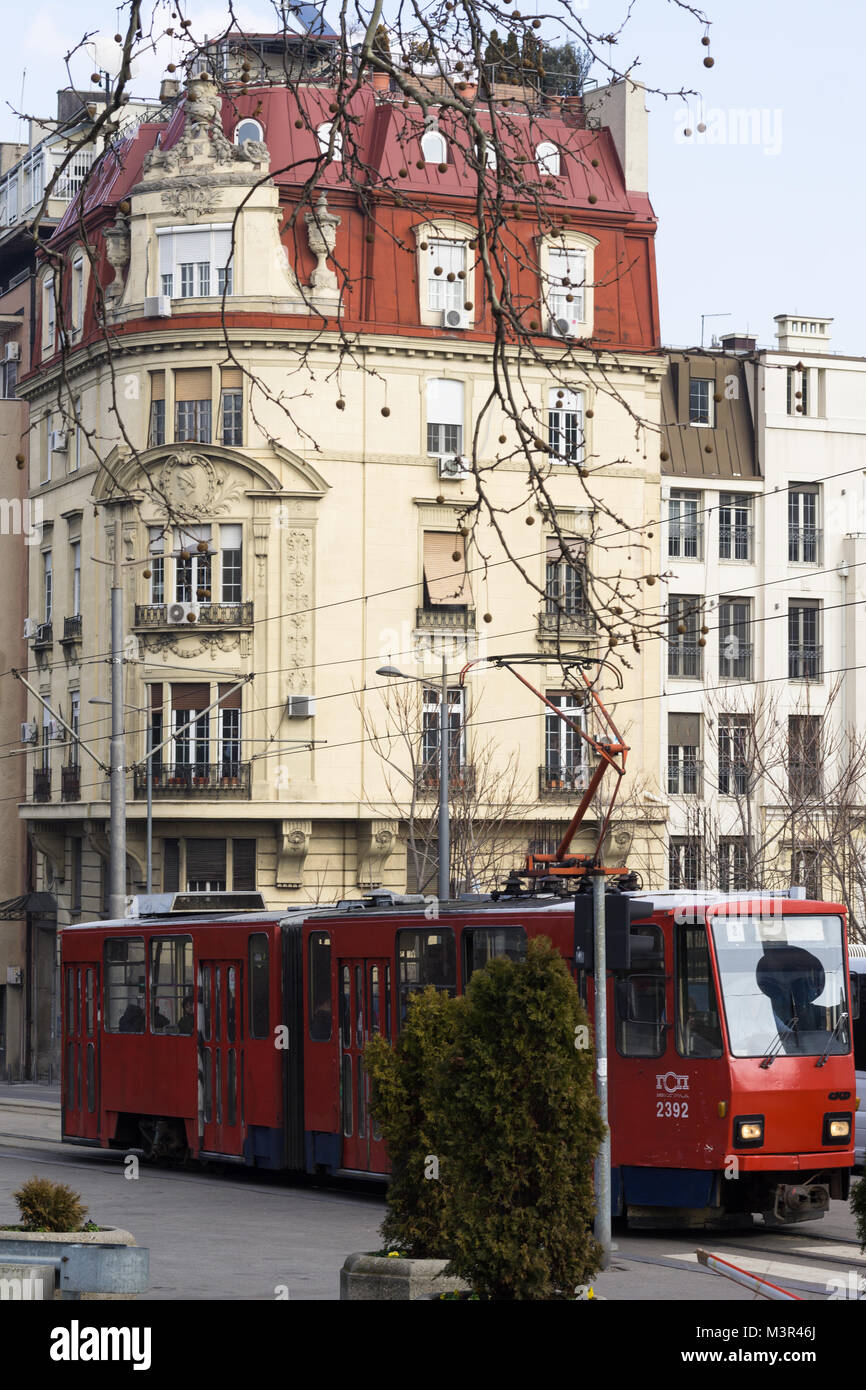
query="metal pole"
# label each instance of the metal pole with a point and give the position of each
(444, 829)
(117, 822)
(149, 806)
(602, 1163)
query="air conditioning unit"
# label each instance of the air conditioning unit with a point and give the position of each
(564, 328)
(12, 352)
(301, 706)
(453, 466)
(56, 729)
(57, 442)
(30, 626)
(29, 733)
(456, 318)
(43, 632)
(182, 613)
(157, 306)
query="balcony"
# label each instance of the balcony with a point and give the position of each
(42, 784)
(562, 781)
(181, 780)
(805, 663)
(686, 542)
(461, 777)
(735, 664)
(685, 660)
(805, 545)
(441, 618)
(43, 637)
(685, 777)
(566, 621)
(151, 616)
(736, 542)
(70, 783)
(72, 628)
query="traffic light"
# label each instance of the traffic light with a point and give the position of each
(620, 914)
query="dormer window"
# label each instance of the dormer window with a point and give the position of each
(434, 147)
(248, 129)
(195, 262)
(567, 284)
(547, 158)
(327, 141)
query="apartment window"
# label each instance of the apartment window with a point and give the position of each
(733, 864)
(446, 582)
(735, 526)
(797, 400)
(12, 201)
(49, 311)
(157, 732)
(232, 406)
(190, 727)
(446, 274)
(684, 528)
(547, 158)
(192, 566)
(36, 181)
(566, 283)
(434, 147)
(75, 553)
(806, 872)
(804, 756)
(75, 726)
(430, 746)
(684, 649)
(444, 416)
(324, 137)
(46, 740)
(735, 639)
(804, 638)
(684, 862)
(701, 401)
(231, 563)
(735, 754)
(804, 536)
(156, 563)
(684, 751)
(206, 866)
(72, 179)
(75, 454)
(49, 447)
(192, 391)
(9, 378)
(564, 587)
(248, 129)
(564, 764)
(77, 295)
(156, 432)
(565, 426)
(47, 585)
(195, 262)
(229, 714)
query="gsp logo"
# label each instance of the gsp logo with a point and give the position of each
(670, 1083)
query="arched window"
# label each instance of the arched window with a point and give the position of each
(248, 129)
(547, 158)
(434, 147)
(323, 135)
(490, 155)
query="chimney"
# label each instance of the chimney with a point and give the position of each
(802, 333)
(169, 90)
(621, 106)
(737, 342)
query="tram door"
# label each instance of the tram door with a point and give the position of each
(365, 1009)
(81, 1051)
(220, 1030)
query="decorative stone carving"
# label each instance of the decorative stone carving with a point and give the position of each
(96, 839)
(322, 237)
(376, 841)
(199, 644)
(191, 199)
(203, 149)
(117, 253)
(293, 843)
(51, 844)
(194, 487)
(298, 549)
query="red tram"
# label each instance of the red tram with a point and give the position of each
(201, 1029)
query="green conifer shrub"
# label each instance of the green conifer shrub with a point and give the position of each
(49, 1206)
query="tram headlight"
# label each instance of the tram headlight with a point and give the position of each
(748, 1131)
(837, 1129)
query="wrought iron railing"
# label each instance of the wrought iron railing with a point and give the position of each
(736, 541)
(70, 782)
(805, 780)
(805, 544)
(685, 777)
(686, 542)
(461, 777)
(155, 615)
(195, 779)
(735, 658)
(42, 784)
(72, 628)
(562, 781)
(43, 637)
(685, 659)
(805, 663)
(566, 622)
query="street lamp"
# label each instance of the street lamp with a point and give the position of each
(444, 886)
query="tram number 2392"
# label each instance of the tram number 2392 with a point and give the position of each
(672, 1109)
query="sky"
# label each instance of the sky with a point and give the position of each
(754, 214)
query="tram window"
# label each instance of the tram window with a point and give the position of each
(70, 1001)
(170, 981)
(319, 984)
(91, 1079)
(231, 1003)
(698, 1030)
(424, 958)
(345, 1007)
(259, 985)
(482, 944)
(88, 986)
(70, 1076)
(124, 984)
(231, 1088)
(347, 1093)
(640, 996)
(204, 990)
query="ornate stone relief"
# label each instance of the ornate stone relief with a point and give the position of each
(298, 552)
(191, 199)
(198, 644)
(322, 237)
(194, 487)
(376, 841)
(117, 253)
(293, 843)
(203, 149)
(51, 844)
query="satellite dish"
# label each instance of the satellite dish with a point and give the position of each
(107, 56)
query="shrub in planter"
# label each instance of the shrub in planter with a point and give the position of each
(405, 1083)
(519, 1124)
(49, 1206)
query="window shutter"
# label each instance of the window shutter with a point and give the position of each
(157, 386)
(231, 378)
(243, 865)
(684, 730)
(194, 696)
(192, 384)
(227, 701)
(446, 578)
(156, 695)
(170, 866)
(205, 859)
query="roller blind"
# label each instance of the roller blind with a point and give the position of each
(575, 551)
(243, 865)
(684, 730)
(227, 701)
(170, 866)
(206, 859)
(192, 384)
(231, 378)
(444, 402)
(157, 386)
(192, 696)
(156, 695)
(446, 578)
(231, 537)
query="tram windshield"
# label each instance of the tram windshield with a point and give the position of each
(783, 985)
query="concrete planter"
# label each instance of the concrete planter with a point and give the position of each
(375, 1278)
(15, 1245)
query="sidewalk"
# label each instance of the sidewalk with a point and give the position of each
(26, 1096)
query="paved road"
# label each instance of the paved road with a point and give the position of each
(240, 1235)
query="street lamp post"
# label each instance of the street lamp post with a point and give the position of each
(444, 878)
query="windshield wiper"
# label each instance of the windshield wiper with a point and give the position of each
(821, 1060)
(776, 1046)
